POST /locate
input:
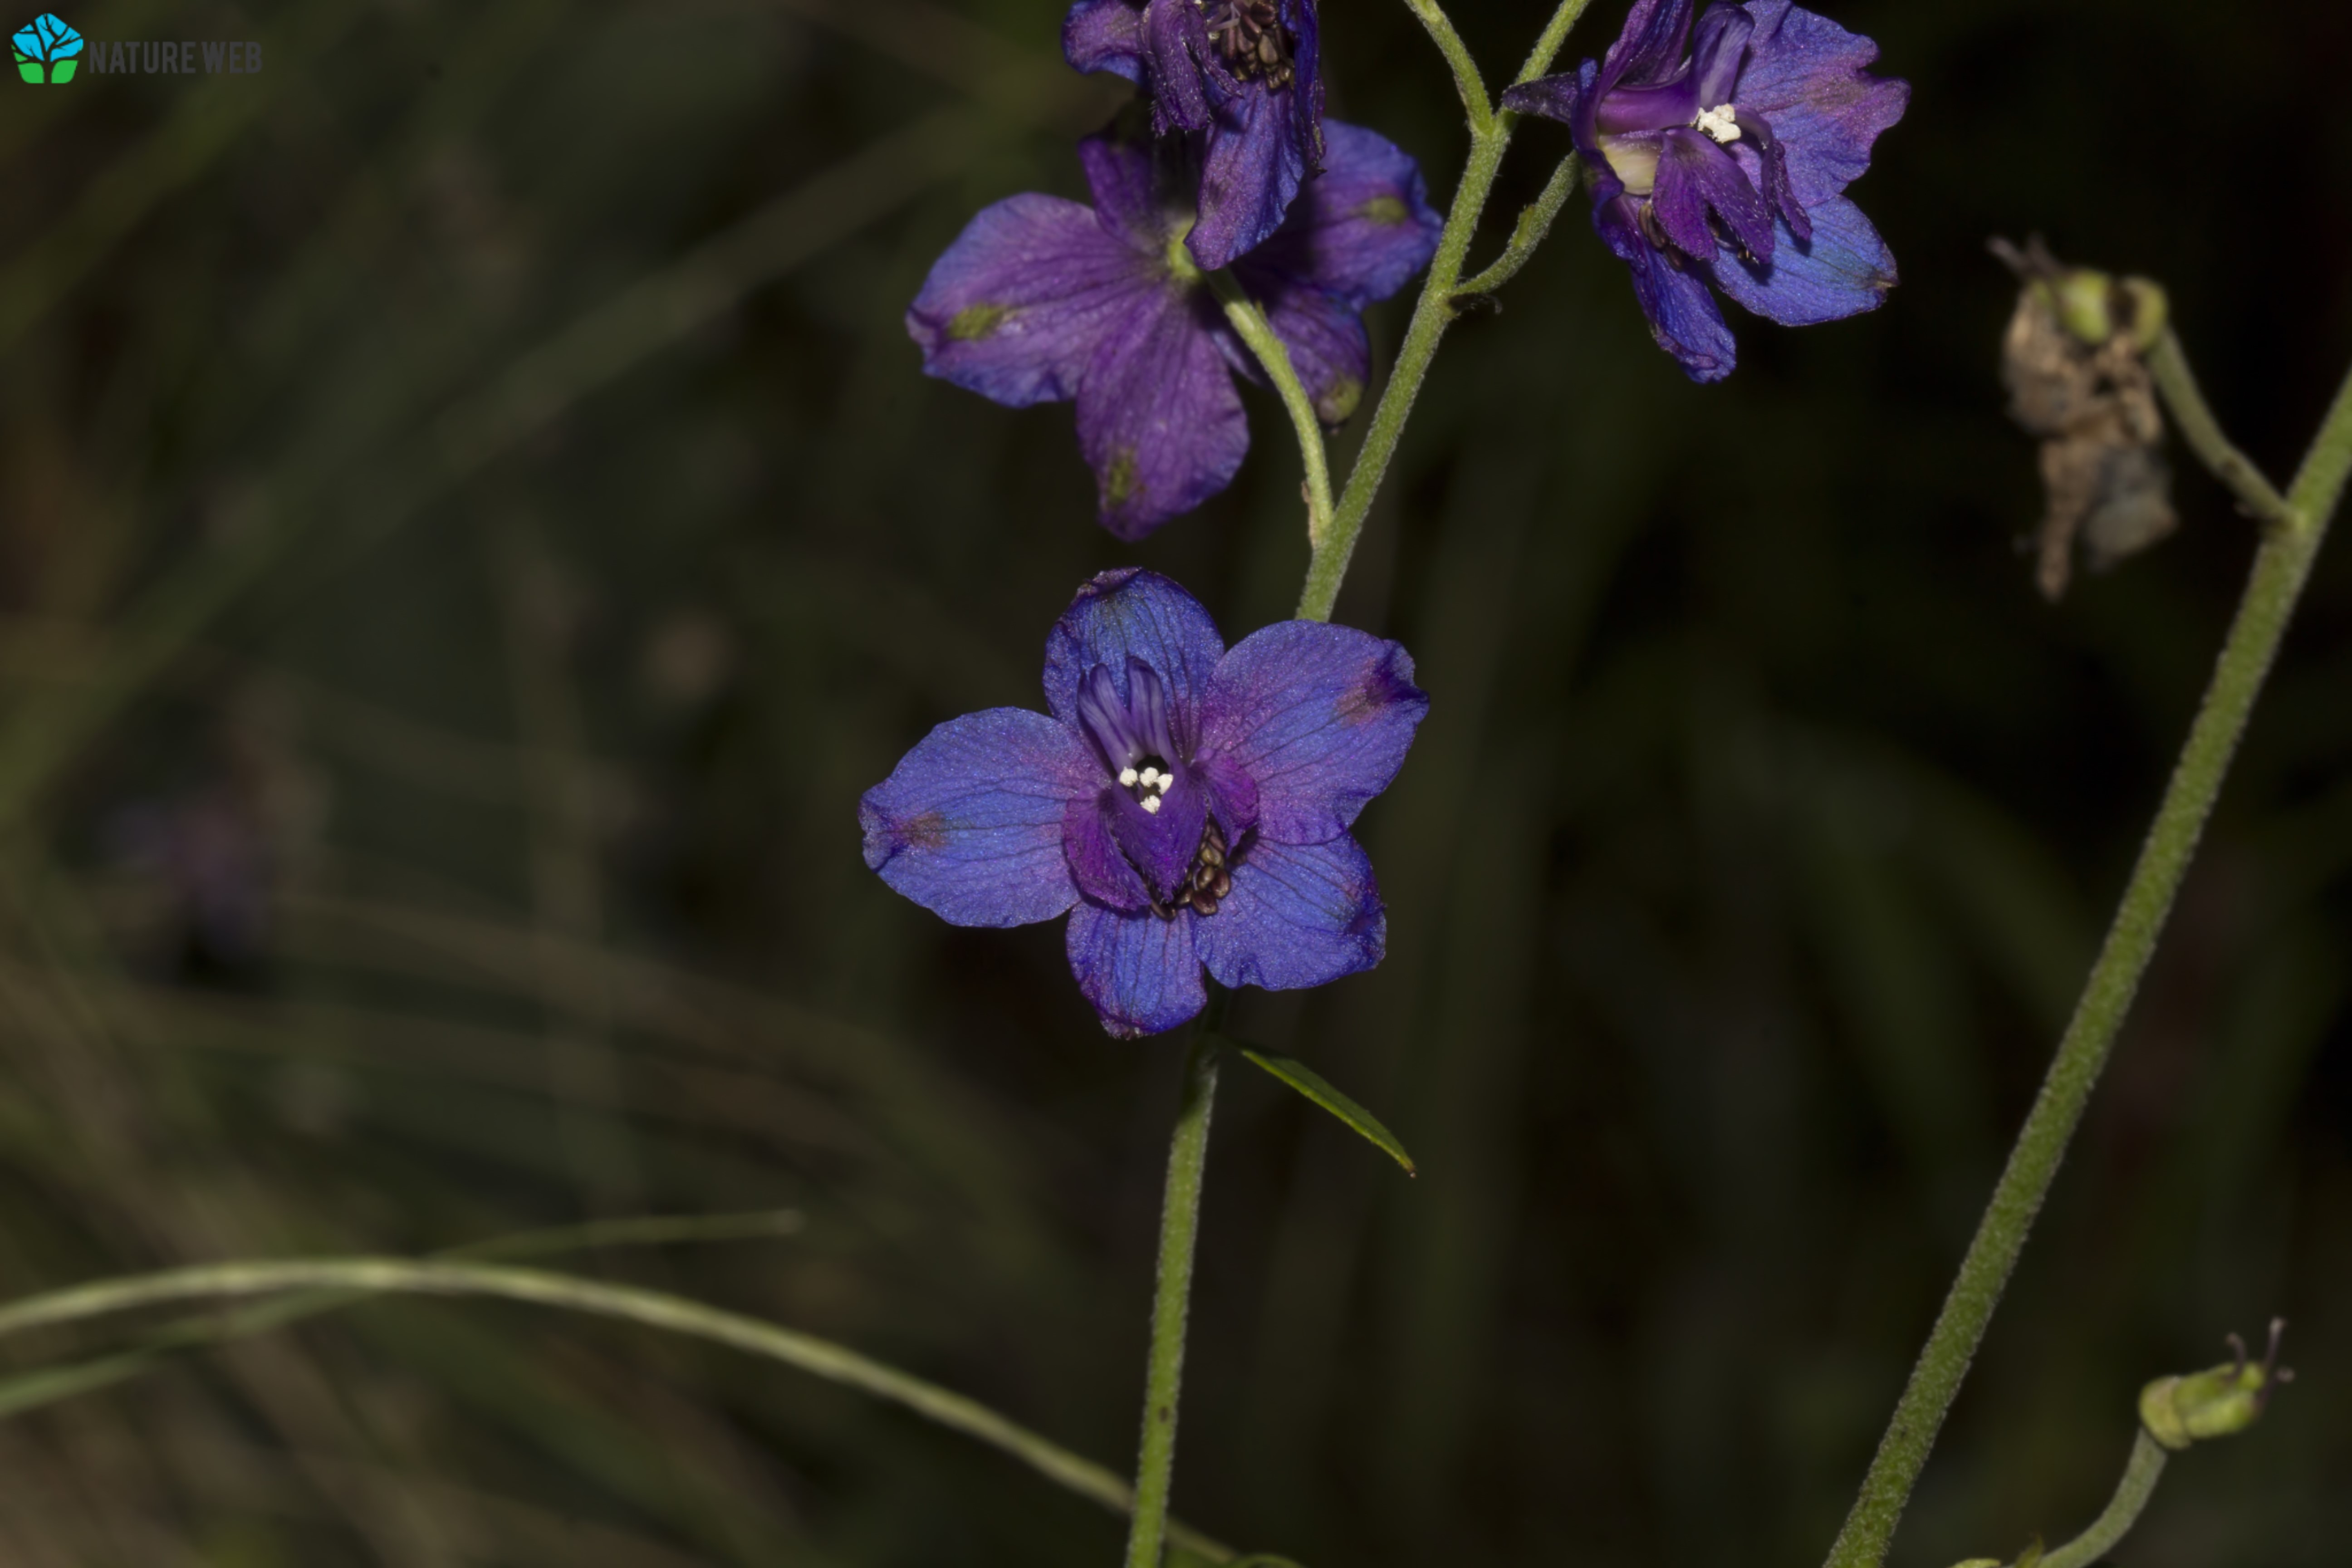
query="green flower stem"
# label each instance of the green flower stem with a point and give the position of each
(1535, 222)
(1467, 80)
(1250, 322)
(1180, 1228)
(2281, 568)
(1435, 310)
(2204, 432)
(2123, 1510)
(652, 1308)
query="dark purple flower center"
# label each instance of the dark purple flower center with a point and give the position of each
(1251, 40)
(1136, 738)
(1632, 119)
(1667, 132)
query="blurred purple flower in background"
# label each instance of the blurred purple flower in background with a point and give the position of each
(1041, 300)
(1726, 163)
(1244, 77)
(1188, 803)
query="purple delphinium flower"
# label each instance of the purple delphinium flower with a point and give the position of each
(1728, 162)
(1242, 76)
(1186, 802)
(1042, 299)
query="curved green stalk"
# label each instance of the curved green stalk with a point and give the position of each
(1467, 80)
(2281, 569)
(1249, 319)
(820, 1358)
(1535, 222)
(1432, 314)
(2123, 1510)
(1180, 1229)
(2203, 433)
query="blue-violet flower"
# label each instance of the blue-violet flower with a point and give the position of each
(1242, 77)
(1726, 160)
(1041, 300)
(1186, 802)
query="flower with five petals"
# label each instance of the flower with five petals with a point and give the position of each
(1186, 802)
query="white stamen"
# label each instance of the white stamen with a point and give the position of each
(1152, 802)
(1151, 775)
(1126, 777)
(1719, 123)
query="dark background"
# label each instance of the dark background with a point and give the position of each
(471, 524)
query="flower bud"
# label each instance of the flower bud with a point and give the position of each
(2178, 1411)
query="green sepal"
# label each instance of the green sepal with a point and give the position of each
(2216, 1402)
(1315, 1087)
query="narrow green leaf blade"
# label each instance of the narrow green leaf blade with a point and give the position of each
(1315, 1087)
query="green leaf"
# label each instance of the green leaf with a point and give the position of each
(1313, 1085)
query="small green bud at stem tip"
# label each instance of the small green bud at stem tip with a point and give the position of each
(2216, 1402)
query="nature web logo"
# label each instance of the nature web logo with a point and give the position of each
(48, 50)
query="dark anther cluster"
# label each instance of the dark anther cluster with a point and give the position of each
(1253, 40)
(1206, 882)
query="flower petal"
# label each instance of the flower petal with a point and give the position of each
(1760, 151)
(1805, 74)
(1360, 231)
(1844, 270)
(1649, 48)
(1695, 177)
(1306, 68)
(1319, 718)
(1552, 96)
(1141, 972)
(1158, 416)
(1160, 844)
(1716, 45)
(968, 823)
(1091, 846)
(1300, 915)
(1176, 43)
(1018, 305)
(1128, 613)
(1684, 316)
(1104, 35)
(1126, 181)
(1250, 175)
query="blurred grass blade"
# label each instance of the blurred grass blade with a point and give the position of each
(1315, 1087)
(351, 1279)
(49, 1384)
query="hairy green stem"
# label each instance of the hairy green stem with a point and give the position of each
(2281, 568)
(652, 1308)
(1432, 314)
(2123, 1510)
(1467, 80)
(1180, 1228)
(1249, 319)
(1535, 222)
